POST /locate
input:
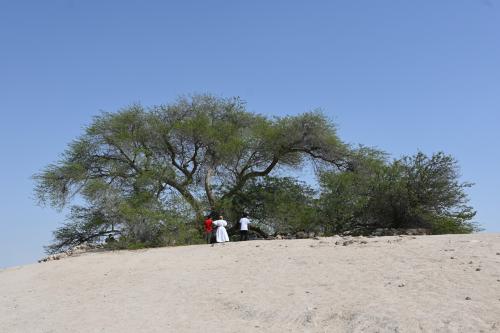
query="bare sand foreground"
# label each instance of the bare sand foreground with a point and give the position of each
(445, 283)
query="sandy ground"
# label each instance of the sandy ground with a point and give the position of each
(384, 284)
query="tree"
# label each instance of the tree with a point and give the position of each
(436, 197)
(202, 150)
(414, 191)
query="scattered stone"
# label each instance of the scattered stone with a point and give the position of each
(470, 262)
(478, 269)
(349, 240)
(467, 298)
(82, 248)
(417, 231)
(498, 253)
(301, 235)
(257, 245)
(401, 285)
(400, 231)
(452, 257)
(56, 256)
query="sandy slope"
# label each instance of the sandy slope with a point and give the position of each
(389, 284)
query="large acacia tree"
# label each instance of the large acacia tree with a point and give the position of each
(202, 150)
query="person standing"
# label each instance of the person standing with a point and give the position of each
(244, 222)
(208, 229)
(221, 235)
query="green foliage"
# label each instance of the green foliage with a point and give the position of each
(169, 233)
(414, 191)
(279, 205)
(86, 226)
(133, 223)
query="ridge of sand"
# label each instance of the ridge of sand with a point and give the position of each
(446, 283)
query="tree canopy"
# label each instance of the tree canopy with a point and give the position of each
(148, 175)
(198, 153)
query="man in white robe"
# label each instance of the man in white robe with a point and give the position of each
(221, 235)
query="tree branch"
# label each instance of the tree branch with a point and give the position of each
(208, 187)
(253, 174)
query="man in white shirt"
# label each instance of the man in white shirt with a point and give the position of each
(244, 222)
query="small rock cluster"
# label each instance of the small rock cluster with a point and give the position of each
(400, 231)
(342, 241)
(376, 232)
(298, 235)
(345, 241)
(82, 248)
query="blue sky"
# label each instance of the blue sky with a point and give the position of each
(398, 75)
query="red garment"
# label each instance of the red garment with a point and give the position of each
(208, 225)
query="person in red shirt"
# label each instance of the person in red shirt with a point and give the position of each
(208, 229)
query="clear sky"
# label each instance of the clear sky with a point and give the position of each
(398, 75)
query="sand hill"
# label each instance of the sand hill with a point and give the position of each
(448, 283)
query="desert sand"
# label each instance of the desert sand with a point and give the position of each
(448, 283)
